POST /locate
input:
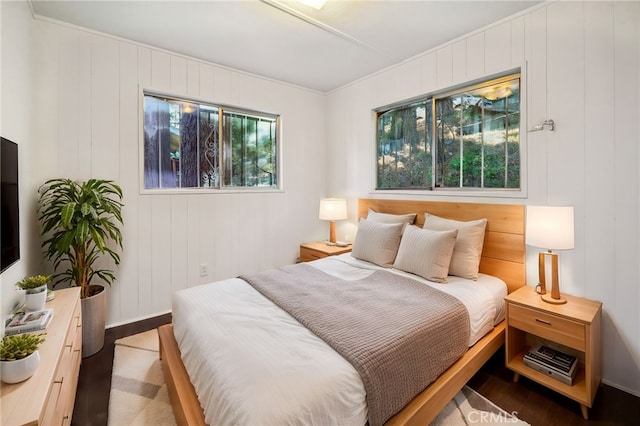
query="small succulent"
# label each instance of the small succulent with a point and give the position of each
(13, 348)
(34, 281)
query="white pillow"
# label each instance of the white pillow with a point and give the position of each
(468, 249)
(405, 219)
(426, 253)
(377, 242)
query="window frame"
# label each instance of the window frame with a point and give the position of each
(222, 109)
(431, 97)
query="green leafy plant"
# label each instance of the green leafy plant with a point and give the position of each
(34, 281)
(79, 220)
(13, 348)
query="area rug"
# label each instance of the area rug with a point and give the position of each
(468, 407)
(139, 394)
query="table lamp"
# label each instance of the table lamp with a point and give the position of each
(550, 228)
(333, 209)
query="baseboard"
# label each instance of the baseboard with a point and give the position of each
(146, 317)
(622, 388)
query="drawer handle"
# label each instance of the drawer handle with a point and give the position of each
(543, 321)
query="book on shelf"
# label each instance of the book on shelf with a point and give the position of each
(24, 322)
(552, 362)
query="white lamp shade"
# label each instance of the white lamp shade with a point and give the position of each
(333, 209)
(549, 227)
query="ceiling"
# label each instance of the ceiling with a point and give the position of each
(285, 40)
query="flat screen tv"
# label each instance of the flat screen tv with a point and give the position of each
(10, 220)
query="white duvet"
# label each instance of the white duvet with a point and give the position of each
(251, 363)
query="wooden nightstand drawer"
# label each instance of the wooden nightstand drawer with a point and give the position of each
(319, 249)
(307, 255)
(548, 326)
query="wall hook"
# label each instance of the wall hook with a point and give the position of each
(550, 124)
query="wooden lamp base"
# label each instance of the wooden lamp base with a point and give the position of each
(332, 233)
(549, 299)
(553, 297)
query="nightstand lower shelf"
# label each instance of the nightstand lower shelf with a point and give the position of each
(577, 391)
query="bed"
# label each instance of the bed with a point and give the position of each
(502, 257)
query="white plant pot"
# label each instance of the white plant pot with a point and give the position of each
(94, 314)
(19, 370)
(35, 299)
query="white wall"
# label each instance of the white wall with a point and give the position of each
(70, 98)
(75, 108)
(581, 68)
(17, 124)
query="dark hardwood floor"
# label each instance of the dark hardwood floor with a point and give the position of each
(527, 400)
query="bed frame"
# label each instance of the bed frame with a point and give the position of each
(503, 256)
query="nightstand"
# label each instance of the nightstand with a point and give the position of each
(320, 249)
(573, 328)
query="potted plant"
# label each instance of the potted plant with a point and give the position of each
(19, 356)
(80, 224)
(35, 288)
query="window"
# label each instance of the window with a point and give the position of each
(195, 145)
(468, 138)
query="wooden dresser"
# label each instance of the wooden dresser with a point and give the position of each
(47, 397)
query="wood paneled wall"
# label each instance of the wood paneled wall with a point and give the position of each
(580, 64)
(90, 107)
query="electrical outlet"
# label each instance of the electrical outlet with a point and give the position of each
(204, 269)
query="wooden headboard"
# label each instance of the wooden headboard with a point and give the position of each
(503, 253)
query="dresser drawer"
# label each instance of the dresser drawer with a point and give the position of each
(548, 326)
(53, 411)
